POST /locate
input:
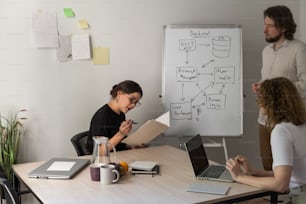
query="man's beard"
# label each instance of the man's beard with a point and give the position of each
(275, 39)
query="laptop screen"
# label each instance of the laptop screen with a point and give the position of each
(197, 154)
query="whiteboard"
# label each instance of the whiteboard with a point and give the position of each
(202, 79)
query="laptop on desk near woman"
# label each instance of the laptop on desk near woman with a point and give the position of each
(200, 164)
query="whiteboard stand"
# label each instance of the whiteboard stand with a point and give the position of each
(213, 143)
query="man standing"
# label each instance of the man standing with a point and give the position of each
(284, 56)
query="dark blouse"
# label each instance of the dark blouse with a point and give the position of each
(105, 122)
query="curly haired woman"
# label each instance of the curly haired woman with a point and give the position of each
(280, 101)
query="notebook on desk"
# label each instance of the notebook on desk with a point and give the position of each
(201, 167)
(211, 188)
(59, 168)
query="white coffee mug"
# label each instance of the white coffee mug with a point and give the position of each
(109, 174)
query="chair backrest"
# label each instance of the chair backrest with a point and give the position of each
(11, 196)
(79, 143)
(2, 178)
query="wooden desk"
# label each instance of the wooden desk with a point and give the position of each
(169, 187)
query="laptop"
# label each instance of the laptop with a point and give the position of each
(201, 167)
(59, 168)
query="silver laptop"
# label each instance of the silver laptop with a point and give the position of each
(201, 167)
(59, 168)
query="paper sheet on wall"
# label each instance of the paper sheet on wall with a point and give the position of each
(44, 27)
(80, 44)
(64, 52)
(150, 130)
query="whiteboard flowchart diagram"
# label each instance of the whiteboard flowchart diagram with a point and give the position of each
(215, 76)
(202, 76)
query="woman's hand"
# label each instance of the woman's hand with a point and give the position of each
(255, 87)
(238, 166)
(234, 168)
(244, 164)
(125, 127)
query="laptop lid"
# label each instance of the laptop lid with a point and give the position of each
(59, 168)
(197, 155)
(200, 163)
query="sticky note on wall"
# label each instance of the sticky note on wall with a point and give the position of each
(68, 12)
(101, 55)
(83, 24)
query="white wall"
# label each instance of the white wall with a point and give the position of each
(62, 97)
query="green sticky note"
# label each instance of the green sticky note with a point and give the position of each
(68, 12)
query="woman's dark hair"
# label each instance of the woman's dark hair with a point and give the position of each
(282, 17)
(127, 87)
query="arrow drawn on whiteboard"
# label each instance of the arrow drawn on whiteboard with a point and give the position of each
(182, 92)
(198, 105)
(222, 88)
(203, 44)
(201, 91)
(210, 61)
(187, 57)
(212, 84)
(197, 85)
(205, 74)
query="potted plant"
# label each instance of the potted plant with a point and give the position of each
(10, 132)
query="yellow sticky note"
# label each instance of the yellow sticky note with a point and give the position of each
(101, 55)
(68, 12)
(83, 24)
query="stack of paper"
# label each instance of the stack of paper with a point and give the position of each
(144, 167)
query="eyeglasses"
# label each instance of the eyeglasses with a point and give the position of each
(134, 101)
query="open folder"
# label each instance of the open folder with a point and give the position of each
(150, 130)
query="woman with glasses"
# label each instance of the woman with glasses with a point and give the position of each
(280, 101)
(110, 121)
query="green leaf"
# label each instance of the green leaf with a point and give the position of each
(10, 133)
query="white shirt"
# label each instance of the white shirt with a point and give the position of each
(288, 144)
(289, 61)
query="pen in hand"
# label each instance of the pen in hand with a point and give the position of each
(131, 122)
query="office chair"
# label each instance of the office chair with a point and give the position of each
(5, 185)
(2, 177)
(11, 196)
(79, 143)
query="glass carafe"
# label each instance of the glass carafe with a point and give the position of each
(101, 152)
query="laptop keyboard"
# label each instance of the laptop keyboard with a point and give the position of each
(213, 171)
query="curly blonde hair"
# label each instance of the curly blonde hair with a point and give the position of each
(281, 102)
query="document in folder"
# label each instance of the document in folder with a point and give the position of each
(150, 130)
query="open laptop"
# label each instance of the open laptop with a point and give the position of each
(59, 168)
(201, 167)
